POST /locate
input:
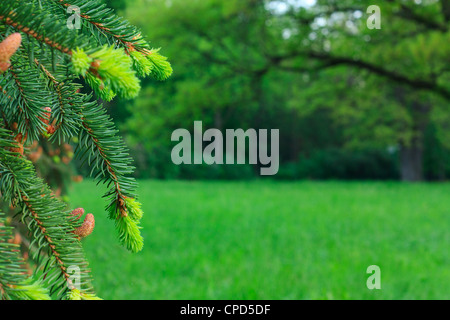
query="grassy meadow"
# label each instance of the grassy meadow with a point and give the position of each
(275, 240)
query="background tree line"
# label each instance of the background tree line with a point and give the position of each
(350, 102)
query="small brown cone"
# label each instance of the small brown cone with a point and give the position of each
(78, 212)
(16, 240)
(47, 115)
(65, 160)
(51, 129)
(4, 65)
(8, 47)
(77, 178)
(19, 149)
(19, 140)
(87, 227)
(95, 64)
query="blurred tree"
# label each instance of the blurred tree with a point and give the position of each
(222, 78)
(409, 56)
(311, 68)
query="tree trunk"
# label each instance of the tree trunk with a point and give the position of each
(411, 161)
(411, 152)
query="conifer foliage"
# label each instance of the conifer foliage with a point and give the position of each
(43, 66)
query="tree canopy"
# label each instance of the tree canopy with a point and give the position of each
(303, 67)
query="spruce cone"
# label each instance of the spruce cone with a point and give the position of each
(77, 212)
(46, 119)
(48, 113)
(8, 47)
(87, 227)
(88, 224)
(51, 129)
(19, 140)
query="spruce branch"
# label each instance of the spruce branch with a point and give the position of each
(65, 120)
(105, 153)
(118, 31)
(24, 99)
(36, 23)
(107, 156)
(15, 283)
(47, 219)
(114, 28)
(40, 63)
(107, 69)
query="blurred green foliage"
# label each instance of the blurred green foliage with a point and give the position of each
(350, 102)
(117, 4)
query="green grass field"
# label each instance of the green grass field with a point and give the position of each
(273, 240)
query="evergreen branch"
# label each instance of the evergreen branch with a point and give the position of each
(146, 61)
(112, 66)
(37, 92)
(34, 23)
(119, 78)
(106, 154)
(27, 206)
(46, 218)
(67, 121)
(99, 133)
(102, 18)
(30, 97)
(14, 280)
(77, 295)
